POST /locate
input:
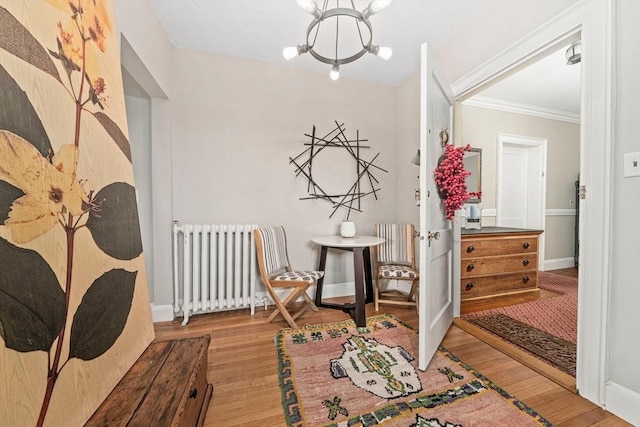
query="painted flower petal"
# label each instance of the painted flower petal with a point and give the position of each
(29, 219)
(50, 188)
(22, 164)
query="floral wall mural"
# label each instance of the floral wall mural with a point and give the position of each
(74, 308)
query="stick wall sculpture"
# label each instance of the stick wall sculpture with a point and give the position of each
(365, 184)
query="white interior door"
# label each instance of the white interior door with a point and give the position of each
(513, 188)
(436, 232)
(521, 196)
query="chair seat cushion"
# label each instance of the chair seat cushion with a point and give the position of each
(392, 271)
(300, 276)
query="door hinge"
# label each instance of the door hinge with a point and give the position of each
(582, 192)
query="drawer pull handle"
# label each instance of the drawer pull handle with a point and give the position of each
(469, 286)
(193, 393)
(470, 249)
(469, 267)
(525, 279)
(525, 262)
(526, 245)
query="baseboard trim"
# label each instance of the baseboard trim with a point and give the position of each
(559, 263)
(622, 402)
(162, 312)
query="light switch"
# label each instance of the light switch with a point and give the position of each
(631, 164)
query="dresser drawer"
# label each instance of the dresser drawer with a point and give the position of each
(475, 287)
(498, 265)
(474, 248)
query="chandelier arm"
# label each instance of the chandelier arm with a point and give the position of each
(324, 9)
(353, 6)
(337, 35)
(366, 47)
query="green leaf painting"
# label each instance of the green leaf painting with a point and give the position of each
(115, 132)
(17, 40)
(18, 115)
(115, 226)
(32, 304)
(102, 314)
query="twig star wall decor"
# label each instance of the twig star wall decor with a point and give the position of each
(365, 183)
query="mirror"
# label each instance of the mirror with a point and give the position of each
(473, 163)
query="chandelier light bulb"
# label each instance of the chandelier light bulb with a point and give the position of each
(377, 5)
(385, 52)
(290, 52)
(308, 5)
(335, 72)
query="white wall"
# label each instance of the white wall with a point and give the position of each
(235, 123)
(623, 334)
(146, 55)
(408, 144)
(139, 108)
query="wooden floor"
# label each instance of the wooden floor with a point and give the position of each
(243, 369)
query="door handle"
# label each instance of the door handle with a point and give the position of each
(433, 235)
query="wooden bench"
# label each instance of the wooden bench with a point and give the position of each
(167, 386)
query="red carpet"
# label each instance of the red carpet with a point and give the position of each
(557, 316)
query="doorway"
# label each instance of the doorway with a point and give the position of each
(521, 185)
(521, 181)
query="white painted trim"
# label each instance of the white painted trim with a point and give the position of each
(593, 21)
(547, 38)
(488, 212)
(517, 108)
(558, 264)
(623, 402)
(162, 313)
(561, 212)
(596, 173)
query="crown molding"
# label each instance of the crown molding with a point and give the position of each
(514, 107)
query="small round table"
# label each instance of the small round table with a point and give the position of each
(359, 245)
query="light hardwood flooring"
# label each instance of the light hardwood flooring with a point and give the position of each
(244, 373)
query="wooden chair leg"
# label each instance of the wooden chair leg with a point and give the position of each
(310, 302)
(281, 307)
(376, 294)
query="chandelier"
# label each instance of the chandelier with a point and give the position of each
(362, 28)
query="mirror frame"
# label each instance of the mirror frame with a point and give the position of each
(479, 178)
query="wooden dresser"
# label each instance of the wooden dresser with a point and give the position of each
(167, 386)
(498, 262)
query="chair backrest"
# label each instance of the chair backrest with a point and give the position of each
(271, 243)
(398, 247)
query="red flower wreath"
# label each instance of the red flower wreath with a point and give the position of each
(450, 179)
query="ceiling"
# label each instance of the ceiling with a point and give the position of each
(259, 30)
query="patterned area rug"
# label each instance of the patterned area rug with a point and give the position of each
(546, 328)
(340, 375)
(556, 351)
(557, 316)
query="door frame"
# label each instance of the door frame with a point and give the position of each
(592, 20)
(528, 142)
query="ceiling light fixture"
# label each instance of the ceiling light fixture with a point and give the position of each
(574, 53)
(320, 15)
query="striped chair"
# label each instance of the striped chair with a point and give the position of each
(276, 272)
(395, 259)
